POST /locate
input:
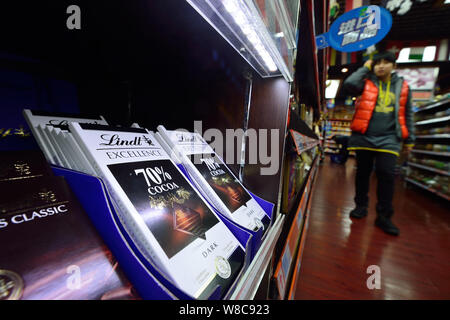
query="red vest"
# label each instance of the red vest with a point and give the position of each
(366, 104)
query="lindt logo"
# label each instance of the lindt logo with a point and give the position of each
(115, 140)
(57, 122)
(186, 137)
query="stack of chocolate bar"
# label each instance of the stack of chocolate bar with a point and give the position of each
(166, 218)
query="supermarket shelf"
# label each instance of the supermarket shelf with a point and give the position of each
(303, 143)
(435, 136)
(298, 261)
(340, 120)
(434, 105)
(252, 277)
(427, 188)
(434, 153)
(421, 166)
(347, 134)
(435, 120)
(297, 231)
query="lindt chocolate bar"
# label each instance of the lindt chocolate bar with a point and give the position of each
(166, 217)
(50, 250)
(214, 178)
(15, 165)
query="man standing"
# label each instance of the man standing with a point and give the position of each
(382, 122)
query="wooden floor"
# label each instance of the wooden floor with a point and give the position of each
(338, 250)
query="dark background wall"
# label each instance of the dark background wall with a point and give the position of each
(151, 62)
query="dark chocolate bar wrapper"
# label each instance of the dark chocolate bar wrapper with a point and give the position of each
(16, 165)
(50, 249)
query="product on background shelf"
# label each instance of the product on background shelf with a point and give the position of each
(290, 181)
(441, 147)
(300, 173)
(436, 182)
(215, 179)
(15, 165)
(50, 248)
(438, 164)
(166, 218)
(38, 121)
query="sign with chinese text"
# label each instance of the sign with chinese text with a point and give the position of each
(357, 29)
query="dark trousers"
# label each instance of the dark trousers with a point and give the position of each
(385, 171)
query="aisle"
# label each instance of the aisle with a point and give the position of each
(338, 250)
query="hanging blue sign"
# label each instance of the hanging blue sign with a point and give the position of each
(357, 29)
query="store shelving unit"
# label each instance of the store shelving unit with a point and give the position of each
(127, 75)
(299, 171)
(435, 136)
(307, 213)
(425, 187)
(335, 127)
(253, 276)
(288, 265)
(443, 172)
(429, 162)
(433, 153)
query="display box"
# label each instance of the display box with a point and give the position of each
(204, 169)
(245, 236)
(146, 278)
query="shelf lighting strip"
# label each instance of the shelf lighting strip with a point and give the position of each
(442, 119)
(240, 24)
(233, 8)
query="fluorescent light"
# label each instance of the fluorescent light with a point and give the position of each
(231, 6)
(403, 56)
(240, 19)
(240, 23)
(429, 53)
(344, 70)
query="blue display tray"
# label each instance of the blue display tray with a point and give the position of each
(248, 238)
(149, 282)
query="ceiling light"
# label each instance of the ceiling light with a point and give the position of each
(403, 56)
(429, 53)
(344, 70)
(332, 88)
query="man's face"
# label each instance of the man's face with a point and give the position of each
(383, 68)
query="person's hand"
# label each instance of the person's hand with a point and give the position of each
(368, 64)
(407, 148)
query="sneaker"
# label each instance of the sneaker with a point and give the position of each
(387, 226)
(358, 212)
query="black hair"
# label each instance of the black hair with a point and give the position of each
(386, 55)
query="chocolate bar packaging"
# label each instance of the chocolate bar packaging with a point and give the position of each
(215, 179)
(50, 250)
(16, 165)
(38, 121)
(164, 215)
